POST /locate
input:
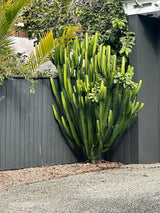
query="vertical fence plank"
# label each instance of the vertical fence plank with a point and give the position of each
(23, 112)
(26, 126)
(3, 132)
(8, 140)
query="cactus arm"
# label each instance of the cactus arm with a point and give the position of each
(114, 63)
(66, 127)
(82, 58)
(103, 62)
(77, 44)
(140, 108)
(95, 68)
(83, 125)
(72, 104)
(123, 65)
(57, 115)
(86, 61)
(56, 56)
(90, 124)
(99, 54)
(115, 133)
(108, 56)
(108, 105)
(86, 42)
(65, 77)
(61, 124)
(55, 91)
(116, 101)
(72, 68)
(60, 74)
(110, 119)
(61, 55)
(74, 134)
(95, 44)
(135, 91)
(90, 50)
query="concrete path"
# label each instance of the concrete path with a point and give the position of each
(134, 188)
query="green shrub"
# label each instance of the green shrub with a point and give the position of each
(103, 16)
(15, 64)
(103, 100)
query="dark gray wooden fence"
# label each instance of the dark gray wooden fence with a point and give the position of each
(141, 142)
(29, 134)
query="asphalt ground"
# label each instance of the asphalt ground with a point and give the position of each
(132, 188)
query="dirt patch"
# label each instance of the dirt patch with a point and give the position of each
(14, 178)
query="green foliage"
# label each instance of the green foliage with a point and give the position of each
(127, 43)
(14, 65)
(103, 100)
(47, 47)
(42, 16)
(10, 64)
(9, 11)
(103, 16)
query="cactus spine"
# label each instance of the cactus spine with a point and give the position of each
(95, 109)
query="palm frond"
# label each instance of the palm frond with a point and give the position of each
(47, 45)
(8, 13)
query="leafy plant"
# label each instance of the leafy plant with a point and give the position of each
(127, 43)
(42, 16)
(103, 16)
(10, 64)
(103, 100)
(9, 11)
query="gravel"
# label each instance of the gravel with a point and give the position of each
(131, 188)
(14, 178)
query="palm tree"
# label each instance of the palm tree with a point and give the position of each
(9, 11)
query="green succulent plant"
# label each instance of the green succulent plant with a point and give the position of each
(103, 100)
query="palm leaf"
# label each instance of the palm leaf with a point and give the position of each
(47, 46)
(8, 14)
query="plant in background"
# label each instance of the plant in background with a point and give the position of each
(9, 11)
(12, 64)
(44, 52)
(127, 43)
(103, 16)
(42, 16)
(47, 47)
(103, 100)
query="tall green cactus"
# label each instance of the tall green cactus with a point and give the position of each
(103, 100)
